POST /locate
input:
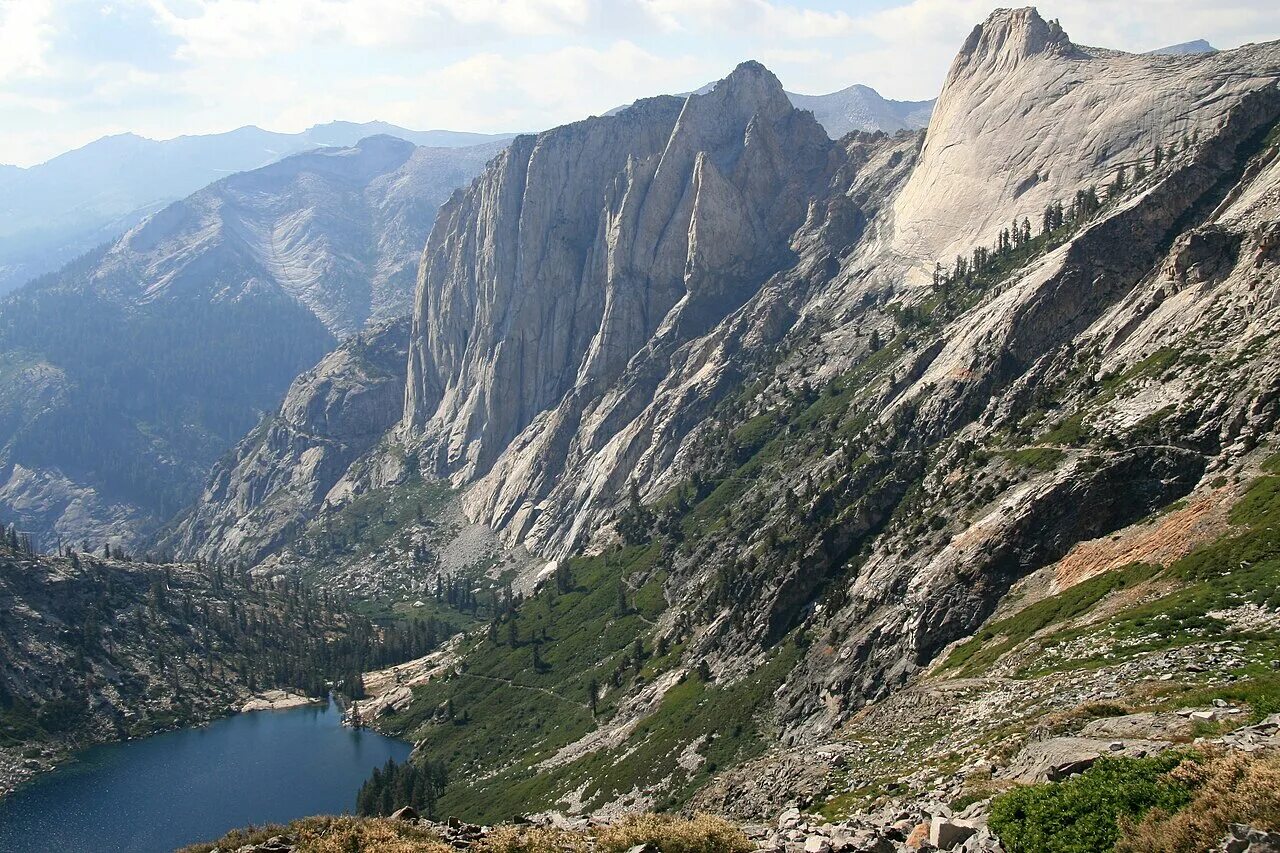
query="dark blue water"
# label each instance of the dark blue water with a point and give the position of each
(162, 792)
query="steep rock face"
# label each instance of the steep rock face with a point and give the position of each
(131, 371)
(847, 469)
(894, 590)
(281, 472)
(1026, 118)
(1095, 306)
(591, 253)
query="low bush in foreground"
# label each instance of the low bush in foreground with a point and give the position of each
(1082, 814)
(336, 835)
(700, 834)
(1229, 788)
(1171, 803)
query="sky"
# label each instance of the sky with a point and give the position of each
(72, 71)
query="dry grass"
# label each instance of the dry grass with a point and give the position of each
(1229, 788)
(533, 839)
(699, 834)
(336, 835)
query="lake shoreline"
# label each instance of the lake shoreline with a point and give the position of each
(123, 795)
(20, 765)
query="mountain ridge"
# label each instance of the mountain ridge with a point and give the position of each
(59, 209)
(164, 347)
(862, 473)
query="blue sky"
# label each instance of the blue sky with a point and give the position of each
(74, 70)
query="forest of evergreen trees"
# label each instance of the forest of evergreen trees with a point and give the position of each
(194, 626)
(393, 786)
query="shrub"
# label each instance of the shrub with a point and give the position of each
(1082, 814)
(1229, 788)
(699, 834)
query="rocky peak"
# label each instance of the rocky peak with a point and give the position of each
(586, 251)
(1026, 119)
(751, 89)
(1006, 38)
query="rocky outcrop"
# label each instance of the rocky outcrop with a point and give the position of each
(848, 454)
(278, 476)
(558, 292)
(1026, 118)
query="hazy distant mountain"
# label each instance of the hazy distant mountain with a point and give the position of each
(1186, 48)
(863, 108)
(124, 376)
(56, 211)
(855, 108)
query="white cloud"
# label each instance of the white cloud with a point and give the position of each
(250, 28)
(494, 92)
(193, 66)
(25, 30)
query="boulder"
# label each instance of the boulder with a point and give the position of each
(1057, 758)
(817, 844)
(947, 833)
(404, 813)
(1245, 839)
(1148, 726)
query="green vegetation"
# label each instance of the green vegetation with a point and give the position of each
(541, 669)
(1069, 432)
(1176, 802)
(393, 786)
(183, 634)
(374, 519)
(1082, 814)
(1237, 569)
(1229, 788)
(979, 652)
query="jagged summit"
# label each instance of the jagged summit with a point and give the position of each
(582, 253)
(751, 80)
(1006, 38)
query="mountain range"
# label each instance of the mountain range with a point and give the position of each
(129, 372)
(879, 491)
(853, 108)
(791, 419)
(53, 212)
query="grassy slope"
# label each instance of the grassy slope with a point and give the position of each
(508, 715)
(1240, 568)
